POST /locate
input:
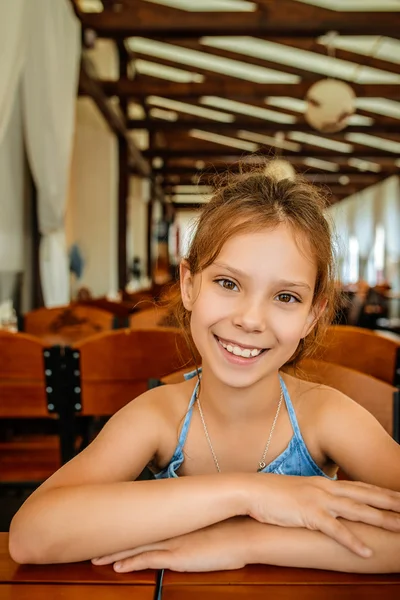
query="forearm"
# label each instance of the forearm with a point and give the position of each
(289, 547)
(69, 524)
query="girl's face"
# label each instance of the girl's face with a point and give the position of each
(251, 307)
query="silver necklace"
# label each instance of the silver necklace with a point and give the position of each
(261, 464)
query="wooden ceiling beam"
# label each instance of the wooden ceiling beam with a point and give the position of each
(258, 126)
(114, 119)
(277, 19)
(295, 44)
(207, 174)
(337, 190)
(202, 152)
(361, 179)
(229, 88)
(243, 58)
(312, 45)
(331, 198)
(116, 122)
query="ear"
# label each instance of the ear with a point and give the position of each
(186, 280)
(314, 315)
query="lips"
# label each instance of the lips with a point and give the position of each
(240, 351)
(239, 345)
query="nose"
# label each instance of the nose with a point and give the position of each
(251, 315)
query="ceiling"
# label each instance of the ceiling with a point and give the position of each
(219, 81)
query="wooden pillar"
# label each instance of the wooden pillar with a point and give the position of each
(123, 185)
(122, 211)
(150, 236)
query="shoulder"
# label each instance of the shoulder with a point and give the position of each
(315, 398)
(327, 416)
(163, 404)
(336, 427)
(322, 409)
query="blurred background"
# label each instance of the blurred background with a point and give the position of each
(116, 116)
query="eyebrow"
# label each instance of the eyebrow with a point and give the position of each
(281, 282)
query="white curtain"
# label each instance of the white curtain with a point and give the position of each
(50, 80)
(12, 56)
(12, 164)
(364, 222)
(360, 214)
(390, 214)
(391, 223)
(337, 213)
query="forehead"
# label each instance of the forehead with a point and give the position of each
(276, 252)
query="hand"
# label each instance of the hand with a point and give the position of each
(209, 549)
(316, 503)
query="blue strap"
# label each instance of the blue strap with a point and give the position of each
(290, 409)
(188, 417)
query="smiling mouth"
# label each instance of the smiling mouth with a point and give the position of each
(244, 352)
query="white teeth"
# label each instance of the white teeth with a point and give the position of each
(237, 351)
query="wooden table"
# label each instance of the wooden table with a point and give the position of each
(74, 581)
(278, 583)
(84, 581)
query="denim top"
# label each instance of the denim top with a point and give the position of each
(294, 460)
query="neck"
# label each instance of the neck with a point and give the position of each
(230, 404)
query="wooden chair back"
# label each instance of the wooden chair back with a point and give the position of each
(116, 366)
(148, 318)
(376, 396)
(119, 309)
(363, 350)
(28, 454)
(65, 325)
(22, 379)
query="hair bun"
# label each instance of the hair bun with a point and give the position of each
(279, 169)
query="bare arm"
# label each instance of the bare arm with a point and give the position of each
(91, 507)
(312, 549)
(241, 541)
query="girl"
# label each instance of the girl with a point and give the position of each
(246, 473)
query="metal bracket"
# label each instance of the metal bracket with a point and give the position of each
(61, 399)
(53, 374)
(73, 369)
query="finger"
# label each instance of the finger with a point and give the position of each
(155, 559)
(354, 511)
(368, 494)
(112, 558)
(342, 534)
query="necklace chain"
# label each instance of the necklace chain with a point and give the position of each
(261, 464)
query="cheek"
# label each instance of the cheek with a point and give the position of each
(291, 327)
(210, 308)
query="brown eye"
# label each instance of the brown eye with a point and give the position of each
(286, 298)
(227, 284)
